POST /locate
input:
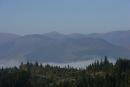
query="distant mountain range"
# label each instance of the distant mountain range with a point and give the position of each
(120, 38)
(57, 47)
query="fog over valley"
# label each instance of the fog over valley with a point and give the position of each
(63, 49)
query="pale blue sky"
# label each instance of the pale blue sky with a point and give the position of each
(66, 16)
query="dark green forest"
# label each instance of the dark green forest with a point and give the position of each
(98, 74)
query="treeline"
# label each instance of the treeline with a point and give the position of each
(99, 74)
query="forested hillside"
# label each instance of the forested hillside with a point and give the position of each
(98, 74)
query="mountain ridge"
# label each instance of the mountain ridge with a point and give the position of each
(57, 47)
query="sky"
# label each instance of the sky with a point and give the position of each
(65, 16)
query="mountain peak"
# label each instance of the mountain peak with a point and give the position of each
(53, 33)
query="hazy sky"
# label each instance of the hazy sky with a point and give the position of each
(66, 16)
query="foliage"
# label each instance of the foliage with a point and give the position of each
(98, 74)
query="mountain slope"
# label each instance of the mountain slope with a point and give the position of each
(120, 38)
(77, 49)
(23, 45)
(56, 47)
(6, 37)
